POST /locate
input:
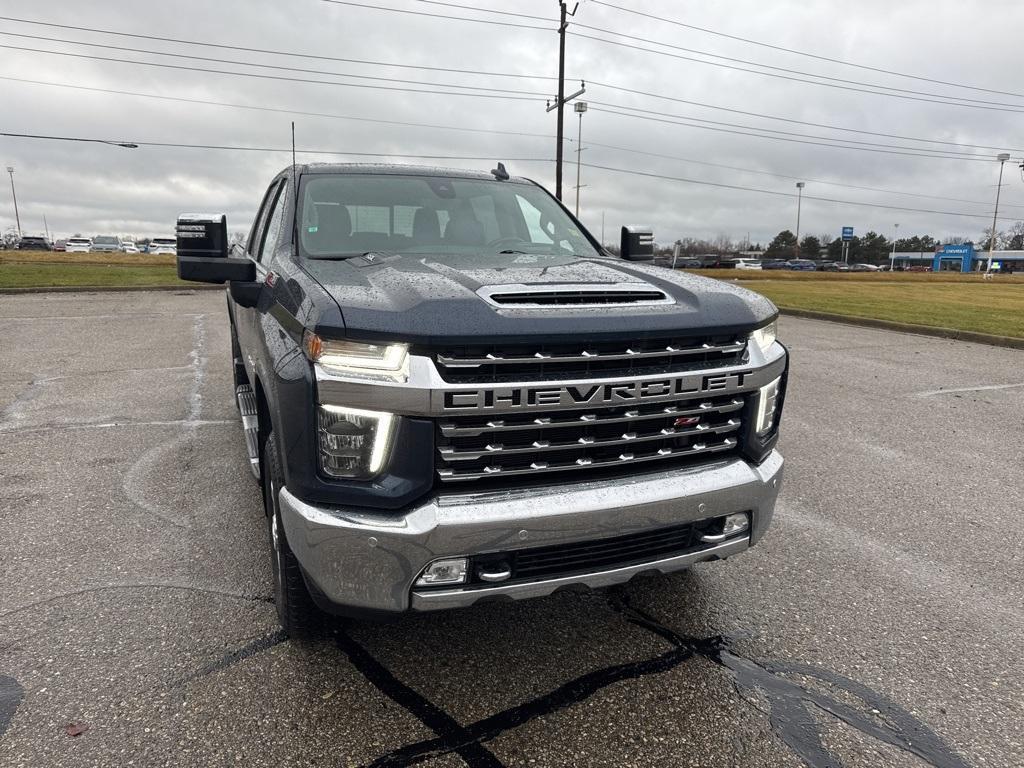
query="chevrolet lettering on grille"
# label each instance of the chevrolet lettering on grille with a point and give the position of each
(581, 395)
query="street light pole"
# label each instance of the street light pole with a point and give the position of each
(1002, 158)
(799, 200)
(580, 107)
(17, 218)
(892, 259)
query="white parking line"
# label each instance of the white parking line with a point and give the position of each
(982, 388)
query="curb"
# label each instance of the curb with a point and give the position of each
(108, 289)
(920, 330)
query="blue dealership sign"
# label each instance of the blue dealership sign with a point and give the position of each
(847, 234)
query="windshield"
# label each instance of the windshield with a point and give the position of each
(342, 215)
(163, 241)
(104, 240)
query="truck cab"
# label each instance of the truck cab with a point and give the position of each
(450, 392)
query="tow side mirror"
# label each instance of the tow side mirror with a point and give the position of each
(203, 251)
(637, 243)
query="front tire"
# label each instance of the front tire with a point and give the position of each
(298, 615)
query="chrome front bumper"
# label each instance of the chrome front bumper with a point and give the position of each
(368, 561)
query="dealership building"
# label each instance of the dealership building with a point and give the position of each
(960, 258)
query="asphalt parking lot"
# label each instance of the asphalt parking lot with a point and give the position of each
(880, 623)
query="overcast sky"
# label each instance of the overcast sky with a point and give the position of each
(95, 189)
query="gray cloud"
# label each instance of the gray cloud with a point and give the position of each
(97, 188)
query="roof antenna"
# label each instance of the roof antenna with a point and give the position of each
(295, 186)
(500, 173)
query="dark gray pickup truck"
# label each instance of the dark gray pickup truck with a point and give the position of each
(451, 393)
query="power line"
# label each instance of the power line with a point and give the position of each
(776, 193)
(330, 115)
(789, 177)
(435, 126)
(270, 77)
(287, 150)
(827, 126)
(805, 53)
(647, 115)
(487, 10)
(266, 66)
(438, 15)
(270, 51)
(610, 86)
(792, 71)
(793, 79)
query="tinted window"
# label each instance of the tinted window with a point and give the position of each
(256, 233)
(348, 214)
(275, 223)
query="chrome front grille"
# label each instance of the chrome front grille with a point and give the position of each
(476, 447)
(581, 359)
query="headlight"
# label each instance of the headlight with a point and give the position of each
(354, 444)
(767, 400)
(352, 358)
(765, 337)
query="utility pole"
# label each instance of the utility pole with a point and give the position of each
(799, 200)
(46, 227)
(17, 218)
(580, 107)
(992, 240)
(892, 260)
(561, 99)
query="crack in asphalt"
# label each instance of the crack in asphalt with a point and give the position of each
(789, 713)
(259, 645)
(138, 585)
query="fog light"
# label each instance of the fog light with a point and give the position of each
(451, 571)
(735, 523)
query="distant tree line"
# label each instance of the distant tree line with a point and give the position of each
(874, 248)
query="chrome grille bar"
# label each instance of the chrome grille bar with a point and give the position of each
(539, 467)
(587, 356)
(498, 450)
(450, 429)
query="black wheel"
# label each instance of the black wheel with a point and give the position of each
(298, 615)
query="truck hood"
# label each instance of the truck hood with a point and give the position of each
(431, 299)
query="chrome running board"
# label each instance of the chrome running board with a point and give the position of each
(250, 423)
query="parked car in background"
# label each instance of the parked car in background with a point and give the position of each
(78, 245)
(34, 244)
(919, 268)
(863, 268)
(775, 264)
(129, 247)
(801, 265)
(170, 245)
(107, 244)
(747, 263)
(58, 245)
(834, 266)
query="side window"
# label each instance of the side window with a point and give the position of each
(261, 221)
(275, 223)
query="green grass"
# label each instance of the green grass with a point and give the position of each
(50, 274)
(995, 307)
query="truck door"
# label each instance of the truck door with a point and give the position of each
(262, 241)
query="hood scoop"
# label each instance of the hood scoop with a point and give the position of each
(573, 296)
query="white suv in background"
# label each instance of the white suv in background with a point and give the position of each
(747, 263)
(107, 244)
(77, 245)
(163, 245)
